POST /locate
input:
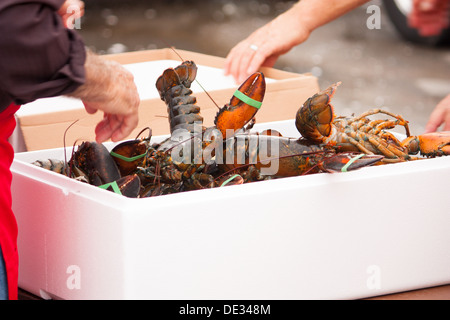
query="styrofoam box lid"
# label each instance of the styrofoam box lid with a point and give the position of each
(374, 231)
(145, 75)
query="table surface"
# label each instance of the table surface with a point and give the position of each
(435, 293)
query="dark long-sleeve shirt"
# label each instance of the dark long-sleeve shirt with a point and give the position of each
(39, 57)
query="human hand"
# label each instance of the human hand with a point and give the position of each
(265, 46)
(70, 11)
(120, 106)
(430, 17)
(110, 88)
(440, 115)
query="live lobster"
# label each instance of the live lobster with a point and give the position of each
(292, 156)
(180, 165)
(316, 121)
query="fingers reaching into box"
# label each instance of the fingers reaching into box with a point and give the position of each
(115, 127)
(110, 88)
(263, 47)
(440, 115)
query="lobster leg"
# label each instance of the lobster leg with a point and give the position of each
(367, 126)
(353, 139)
(389, 137)
(390, 151)
(243, 105)
(373, 144)
(400, 120)
(385, 125)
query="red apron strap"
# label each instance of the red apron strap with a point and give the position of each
(8, 225)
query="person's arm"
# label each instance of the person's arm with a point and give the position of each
(440, 115)
(41, 58)
(282, 34)
(110, 88)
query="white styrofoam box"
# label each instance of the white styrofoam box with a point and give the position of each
(145, 76)
(375, 231)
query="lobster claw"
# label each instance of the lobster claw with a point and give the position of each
(431, 145)
(314, 119)
(348, 161)
(128, 186)
(94, 159)
(130, 155)
(243, 105)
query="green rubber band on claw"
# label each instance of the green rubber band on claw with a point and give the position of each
(352, 160)
(113, 185)
(229, 180)
(248, 100)
(121, 157)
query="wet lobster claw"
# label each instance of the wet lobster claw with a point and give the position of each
(243, 105)
(349, 161)
(130, 155)
(315, 118)
(431, 145)
(129, 186)
(95, 161)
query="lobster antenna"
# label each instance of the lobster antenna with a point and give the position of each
(70, 168)
(174, 50)
(150, 133)
(64, 142)
(209, 96)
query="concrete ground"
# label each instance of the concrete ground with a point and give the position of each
(377, 68)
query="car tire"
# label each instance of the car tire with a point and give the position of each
(398, 14)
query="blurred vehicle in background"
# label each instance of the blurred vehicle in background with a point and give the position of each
(398, 11)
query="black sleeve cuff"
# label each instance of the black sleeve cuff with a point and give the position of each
(40, 57)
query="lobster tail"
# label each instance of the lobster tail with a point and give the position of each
(173, 87)
(315, 118)
(187, 72)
